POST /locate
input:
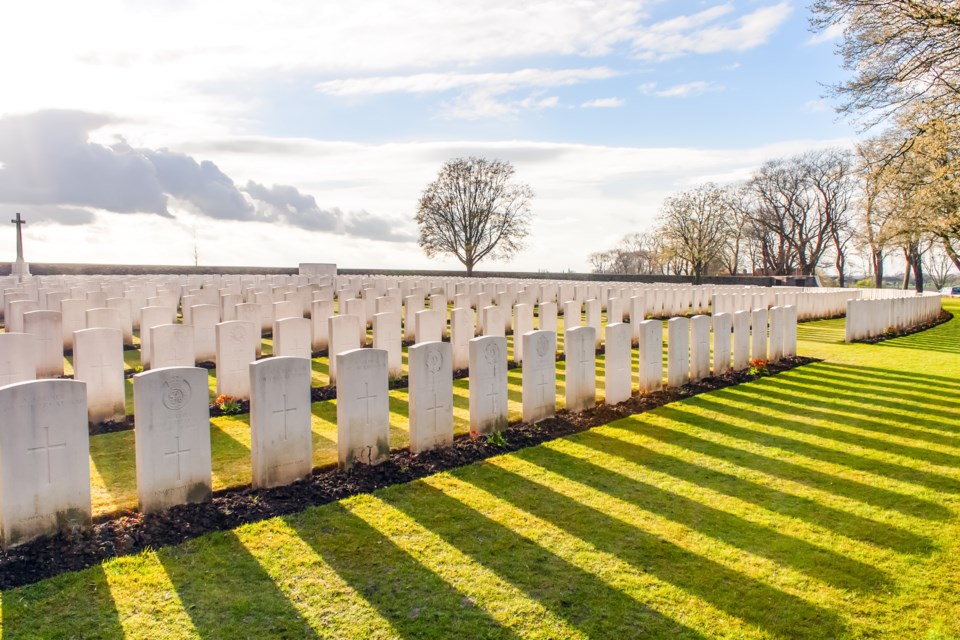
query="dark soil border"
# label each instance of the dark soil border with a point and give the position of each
(133, 532)
(945, 316)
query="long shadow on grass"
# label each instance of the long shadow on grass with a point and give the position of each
(760, 436)
(578, 597)
(897, 397)
(934, 381)
(867, 378)
(844, 487)
(754, 602)
(89, 611)
(831, 392)
(774, 398)
(791, 506)
(226, 592)
(817, 562)
(415, 601)
(112, 456)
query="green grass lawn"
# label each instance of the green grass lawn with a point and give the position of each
(819, 503)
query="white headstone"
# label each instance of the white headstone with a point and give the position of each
(387, 335)
(492, 321)
(253, 312)
(98, 361)
(699, 347)
(650, 342)
(45, 327)
(721, 343)
(320, 311)
(547, 317)
(758, 328)
(280, 421)
(431, 395)
(291, 338)
(150, 317)
(741, 340)
(205, 318)
(363, 407)
(235, 352)
(44, 459)
(171, 346)
(790, 331)
(18, 358)
(461, 333)
(539, 385)
(593, 319)
(678, 352)
(172, 423)
(488, 384)
(522, 323)
(73, 318)
(344, 336)
(777, 331)
(618, 363)
(428, 327)
(581, 368)
(124, 307)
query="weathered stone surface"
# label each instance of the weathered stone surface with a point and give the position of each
(171, 346)
(18, 358)
(172, 423)
(45, 327)
(758, 334)
(344, 336)
(235, 352)
(741, 340)
(678, 352)
(461, 333)
(581, 368)
(539, 385)
(488, 384)
(618, 363)
(431, 395)
(699, 347)
(292, 337)
(721, 343)
(650, 341)
(363, 407)
(98, 361)
(428, 326)
(44, 459)
(280, 421)
(387, 335)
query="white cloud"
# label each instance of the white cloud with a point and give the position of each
(689, 89)
(832, 32)
(435, 82)
(816, 106)
(706, 32)
(731, 67)
(603, 103)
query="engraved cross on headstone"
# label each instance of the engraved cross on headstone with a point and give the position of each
(46, 447)
(367, 398)
(177, 452)
(543, 385)
(284, 413)
(433, 410)
(100, 366)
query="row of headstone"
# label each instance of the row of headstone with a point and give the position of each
(871, 318)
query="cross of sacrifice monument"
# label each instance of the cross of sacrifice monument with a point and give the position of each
(19, 268)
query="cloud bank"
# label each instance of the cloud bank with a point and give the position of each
(54, 173)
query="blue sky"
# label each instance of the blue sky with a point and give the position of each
(306, 131)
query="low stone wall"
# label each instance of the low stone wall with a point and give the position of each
(70, 269)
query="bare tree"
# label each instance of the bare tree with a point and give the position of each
(739, 228)
(938, 265)
(901, 53)
(798, 203)
(694, 224)
(473, 210)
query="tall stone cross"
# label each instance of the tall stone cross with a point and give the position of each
(19, 222)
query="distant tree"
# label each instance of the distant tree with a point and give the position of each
(938, 265)
(902, 53)
(473, 211)
(694, 224)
